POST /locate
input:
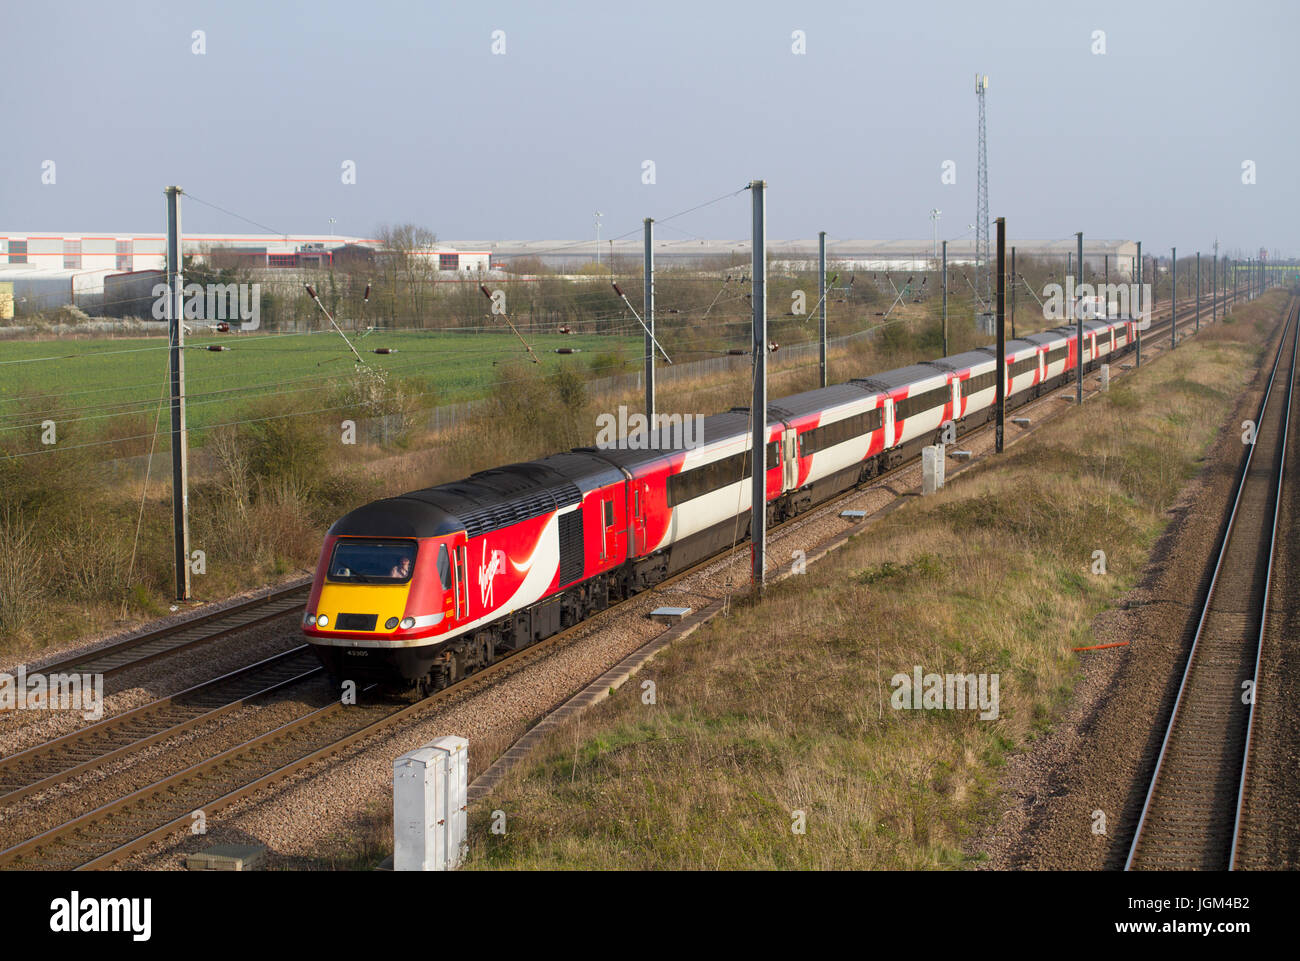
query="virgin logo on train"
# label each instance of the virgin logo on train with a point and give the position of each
(487, 572)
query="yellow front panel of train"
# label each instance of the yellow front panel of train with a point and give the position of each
(382, 600)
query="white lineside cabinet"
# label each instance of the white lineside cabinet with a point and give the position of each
(429, 801)
(932, 468)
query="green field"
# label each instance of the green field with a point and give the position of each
(110, 387)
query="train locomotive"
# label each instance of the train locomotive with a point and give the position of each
(421, 589)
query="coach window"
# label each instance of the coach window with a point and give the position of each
(609, 513)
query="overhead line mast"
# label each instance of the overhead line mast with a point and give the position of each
(983, 265)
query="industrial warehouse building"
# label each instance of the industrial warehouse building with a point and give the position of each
(113, 273)
(1119, 255)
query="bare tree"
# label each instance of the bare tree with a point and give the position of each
(406, 261)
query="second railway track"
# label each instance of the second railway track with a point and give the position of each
(169, 639)
(1190, 815)
(86, 749)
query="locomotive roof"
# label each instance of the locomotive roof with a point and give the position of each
(482, 502)
(588, 470)
(409, 515)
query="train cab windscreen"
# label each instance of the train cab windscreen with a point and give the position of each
(362, 561)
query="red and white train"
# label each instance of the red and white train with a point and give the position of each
(423, 588)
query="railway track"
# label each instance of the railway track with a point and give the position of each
(84, 750)
(1268, 836)
(1191, 816)
(118, 829)
(162, 641)
(114, 831)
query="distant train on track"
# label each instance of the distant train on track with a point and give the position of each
(424, 588)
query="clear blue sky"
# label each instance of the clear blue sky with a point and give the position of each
(1144, 142)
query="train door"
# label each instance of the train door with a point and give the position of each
(608, 529)
(1042, 365)
(637, 491)
(457, 602)
(789, 459)
(889, 421)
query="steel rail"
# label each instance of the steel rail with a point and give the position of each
(1225, 542)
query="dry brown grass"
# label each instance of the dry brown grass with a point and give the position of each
(21, 575)
(785, 706)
